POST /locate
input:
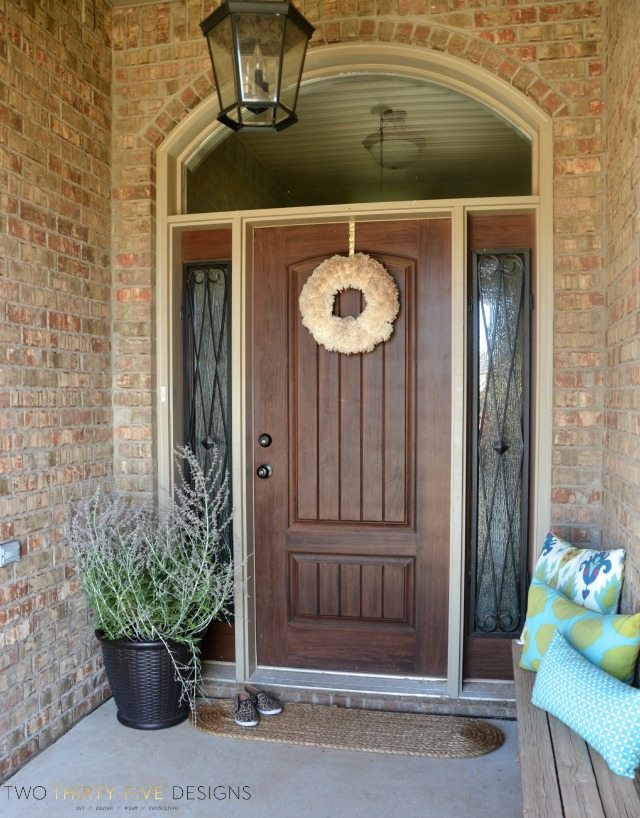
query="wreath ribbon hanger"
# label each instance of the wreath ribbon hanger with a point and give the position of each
(357, 271)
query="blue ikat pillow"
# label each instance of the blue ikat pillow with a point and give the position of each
(589, 578)
(597, 706)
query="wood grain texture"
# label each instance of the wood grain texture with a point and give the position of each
(218, 644)
(487, 658)
(578, 785)
(373, 589)
(360, 460)
(206, 245)
(620, 797)
(352, 415)
(540, 790)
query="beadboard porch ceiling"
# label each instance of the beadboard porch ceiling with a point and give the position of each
(456, 146)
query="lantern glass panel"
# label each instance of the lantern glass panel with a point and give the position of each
(258, 43)
(263, 118)
(295, 47)
(220, 40)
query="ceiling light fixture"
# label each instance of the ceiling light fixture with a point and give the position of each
(257, 51)
(392, 146)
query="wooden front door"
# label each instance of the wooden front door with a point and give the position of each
(352, 525)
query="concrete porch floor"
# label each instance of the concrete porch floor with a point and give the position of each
(149, 774)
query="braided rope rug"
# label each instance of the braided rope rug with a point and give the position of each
(371, 731)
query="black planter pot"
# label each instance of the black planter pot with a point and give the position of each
(143, 682)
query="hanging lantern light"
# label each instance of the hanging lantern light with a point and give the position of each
(257, 51)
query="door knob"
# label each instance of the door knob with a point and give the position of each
(264, 471)
(265, 440)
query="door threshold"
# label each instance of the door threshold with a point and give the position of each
(490, 699)
(349, 682)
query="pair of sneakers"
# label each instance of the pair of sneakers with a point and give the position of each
(252, 703)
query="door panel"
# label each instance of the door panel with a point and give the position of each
(352, 527)
(352, 454)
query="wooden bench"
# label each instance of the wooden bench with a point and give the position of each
(562, 776)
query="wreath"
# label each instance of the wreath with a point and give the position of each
(349, 335)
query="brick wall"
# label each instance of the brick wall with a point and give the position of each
(622, 397)
(55, 358)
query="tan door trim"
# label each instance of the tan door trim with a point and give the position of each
(242, 224)
(182, 146)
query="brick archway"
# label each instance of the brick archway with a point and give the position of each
(435, 39)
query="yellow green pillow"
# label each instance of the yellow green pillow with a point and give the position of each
(610, 641)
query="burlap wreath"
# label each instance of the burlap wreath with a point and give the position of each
(349, 335)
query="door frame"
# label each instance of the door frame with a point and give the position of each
(196, 133)
(242, 224)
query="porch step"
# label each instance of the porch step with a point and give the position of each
(407, 695)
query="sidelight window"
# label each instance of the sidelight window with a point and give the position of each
(499, 369)
(206, 318)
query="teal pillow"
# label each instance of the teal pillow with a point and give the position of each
(610, 641)
(590, 578)
(604, 711)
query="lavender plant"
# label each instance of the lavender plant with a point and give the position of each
(154, 576)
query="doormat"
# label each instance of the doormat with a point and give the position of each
(369, 731)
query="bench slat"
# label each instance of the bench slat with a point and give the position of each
(619, 795)
(540, 792)
(562, 776)
(580, 796)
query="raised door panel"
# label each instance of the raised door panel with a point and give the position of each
(351, 442)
